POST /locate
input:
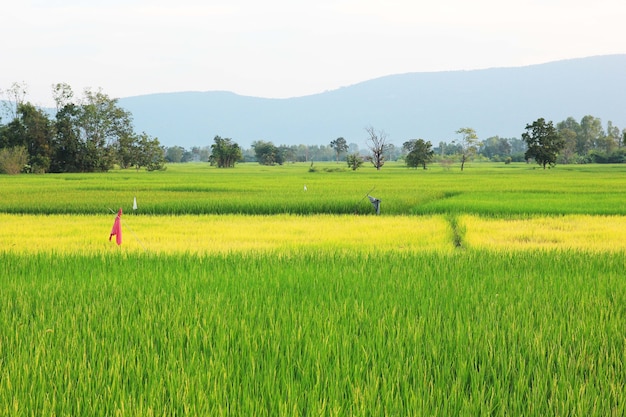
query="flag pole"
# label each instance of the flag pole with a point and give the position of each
(131, 231)
(364, 197)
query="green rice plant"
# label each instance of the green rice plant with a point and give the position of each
(484, 189)
(313, 332)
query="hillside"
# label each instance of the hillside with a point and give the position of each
(432, 106)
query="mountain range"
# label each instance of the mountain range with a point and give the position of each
(427, 105)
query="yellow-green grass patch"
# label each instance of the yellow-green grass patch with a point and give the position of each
(206, 234)
(577, 232)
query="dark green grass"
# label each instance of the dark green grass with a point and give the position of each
(469, 333)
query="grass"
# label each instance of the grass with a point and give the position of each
(579, 232)
(484, 189)
(209, 234)
(463, 333)
(494, 291)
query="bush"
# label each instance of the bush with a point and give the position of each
(354, 161)
(13, 160)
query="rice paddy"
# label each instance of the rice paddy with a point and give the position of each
(496, 291)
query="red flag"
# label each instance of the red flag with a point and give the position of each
(117, 228)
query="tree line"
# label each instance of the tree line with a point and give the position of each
(547, 144)
(90, 134)
(93, 133)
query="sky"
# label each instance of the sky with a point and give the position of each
(281, 48)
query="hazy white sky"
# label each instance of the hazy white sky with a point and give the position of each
(285, 48)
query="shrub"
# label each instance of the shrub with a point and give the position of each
(354, 161)
(13, 160)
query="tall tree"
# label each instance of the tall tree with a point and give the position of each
(340, 146)
(419, 152)
(544, 142)
(102, 123)
(590, 135)
(69, 149)
(377, 143)
(37, 131)
(174, 154)
(568, 153)
(148, 152)
(613, 137)
(469, 144)
(224, 152)
(495, 146)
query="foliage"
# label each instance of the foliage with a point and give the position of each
(149, 153)
(495, 147)
(354, 161)
(544, 142)
(89, 136)
(70, 151)
(224, 152)
(419, 153)
(340, 146)
(31, 129)
(174, 154)
(266, 153)
(469, 144)
(13, 160)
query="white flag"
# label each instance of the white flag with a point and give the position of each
(134, 203)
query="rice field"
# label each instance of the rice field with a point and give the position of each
(496, 291)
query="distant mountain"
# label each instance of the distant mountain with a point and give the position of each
(428, 105)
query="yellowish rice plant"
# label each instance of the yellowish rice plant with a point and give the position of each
(223, 233)
(579, 232)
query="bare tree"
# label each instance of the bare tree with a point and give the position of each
(377, 143)
(15, 96)
(62, 94)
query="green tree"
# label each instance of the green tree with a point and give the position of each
(102, 123)
(590, 135)
(174, 154)
(199, 154)
(495, 147)
(266, 153)
(224, 152)
(614, 134)
(148, 153)
(340, 146)
(469, 144)
(544, 142)
(419, 152)
(68, 148)
(568, 153)
(32, 129)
